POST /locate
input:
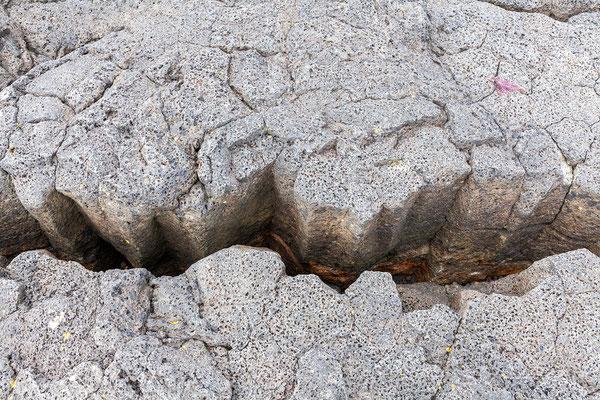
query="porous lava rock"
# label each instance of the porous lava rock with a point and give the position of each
(234, 325)
(361, 135)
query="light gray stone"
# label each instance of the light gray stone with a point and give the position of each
(561, 9)
(14, 56)
(434, 330)
(177, 312)
(347, 129)
(320, 377)
(234, 299)
(6, 375)
(171, 337)
(355, 134)
(530, 338)
(11, 294)
(145, 368)
(80, 383)
(556, 385)
(377, 308)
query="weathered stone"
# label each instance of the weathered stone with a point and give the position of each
(536, 340)
(11, 294)
(319, 376)
(347, 130)
(234, 300)
(422, 296)
(82, 381)
(15, 59)
(6, 374)
(476, 225)
(350, 135)
(572, 225)
(147, 368)
(19, 230)
(561, 9)
(376, 307)
(531, 340)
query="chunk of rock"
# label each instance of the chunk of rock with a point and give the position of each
(73, 333)
(145, 368)
(530, 339)
(319, 377)
(357, 136)
(11, 294)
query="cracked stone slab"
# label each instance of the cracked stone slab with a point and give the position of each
(532, 334)
(319, 377)
(146, 368)
(362, 135)
(530, 338)
(234, 301)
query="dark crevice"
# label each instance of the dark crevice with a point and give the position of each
(405, 270)
(99, 255)
(102, 257)
(92, 251)
(406, 265)
(273, 230)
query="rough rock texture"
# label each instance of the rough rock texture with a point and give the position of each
(235, 326)
(561, 10)
(357, 133)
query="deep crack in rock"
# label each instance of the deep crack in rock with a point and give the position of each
(353, 138)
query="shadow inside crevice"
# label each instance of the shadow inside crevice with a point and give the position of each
(403, 270)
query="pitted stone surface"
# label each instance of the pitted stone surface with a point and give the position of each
(12, 295)
(559, 9)
(75, 334)
(319, 376)
(356, 132)
(233, 299)
(533, 346)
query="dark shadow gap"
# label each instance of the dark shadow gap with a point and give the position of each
(101, 258)
(403, 271)
(105, 257)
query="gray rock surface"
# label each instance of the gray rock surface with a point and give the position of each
(235, 326)
(558, 9)
(358, 133)
(422, 296)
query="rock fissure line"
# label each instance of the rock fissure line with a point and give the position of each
(342, 135)
(444, 366)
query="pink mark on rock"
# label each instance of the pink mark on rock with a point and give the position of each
(502, 86)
